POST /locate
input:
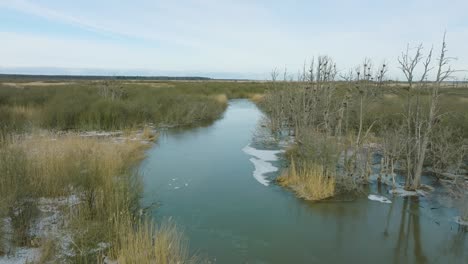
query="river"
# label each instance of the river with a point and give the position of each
(214, 187)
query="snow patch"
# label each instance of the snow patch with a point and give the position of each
(266, 155)
(261, 162)
(101, 134)
(22, 255)
(261, 168)
(49, 224)
(378, 198)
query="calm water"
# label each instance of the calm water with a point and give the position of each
(204, 180)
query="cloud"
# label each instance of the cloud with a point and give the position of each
(228, 36)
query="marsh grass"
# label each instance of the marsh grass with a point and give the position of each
(309, 181)
(83, 105)
(221, 98)
(102, 173)
(48, 251)
(53, 163)
(257, 97)
(22, 219)
(12, 121)
(149, 134)
(149, 243)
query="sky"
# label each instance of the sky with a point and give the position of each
(221, 39)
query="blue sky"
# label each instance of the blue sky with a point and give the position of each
(232, 39)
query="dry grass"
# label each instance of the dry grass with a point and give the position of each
(98, 170)
(221, 98)
(257, 97)
(101, 172)
(149, 134)
(309, 181)
(48, 250)
(54, 162)
(148, 243)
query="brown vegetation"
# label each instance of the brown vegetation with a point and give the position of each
(100, 173)
(310, 182)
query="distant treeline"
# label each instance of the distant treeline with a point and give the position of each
(26, 77)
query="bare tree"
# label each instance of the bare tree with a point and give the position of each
(421, 118)
(393, 144)
(274, 74)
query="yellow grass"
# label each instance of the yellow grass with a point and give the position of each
(54, 162)
(147, 244)
(221, 98)
(308, 182)
(98, 170)
(149, 134)
(256, 97)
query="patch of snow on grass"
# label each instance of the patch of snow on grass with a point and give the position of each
(378, 198)
(22, 255)
(101, 134)
(49, 225)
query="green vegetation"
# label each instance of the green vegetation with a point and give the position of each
(115, 105)
(93, 181)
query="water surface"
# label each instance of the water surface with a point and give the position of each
(204, 180)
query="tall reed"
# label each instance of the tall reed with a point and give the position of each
(309, 181)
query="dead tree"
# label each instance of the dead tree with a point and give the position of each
(421, 118)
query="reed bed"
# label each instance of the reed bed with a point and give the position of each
(309, 181)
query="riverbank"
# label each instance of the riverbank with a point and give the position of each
(71, 186)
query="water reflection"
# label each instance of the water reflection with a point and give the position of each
(409, 231)
(457, 245)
